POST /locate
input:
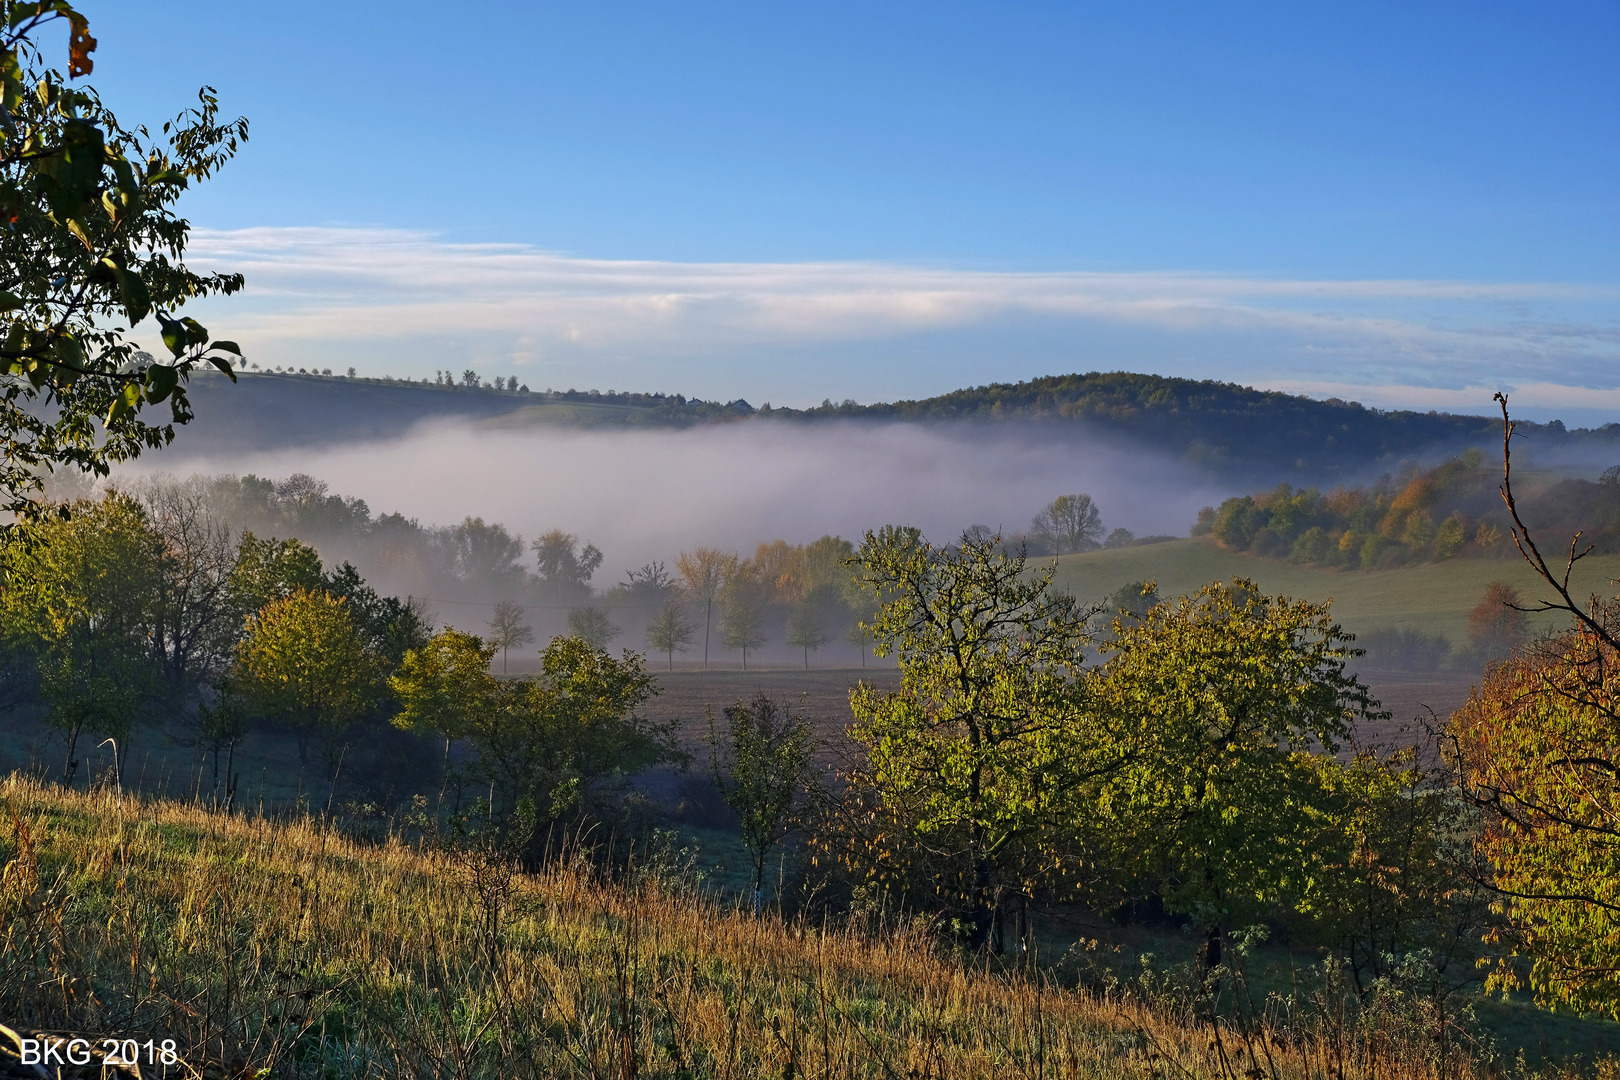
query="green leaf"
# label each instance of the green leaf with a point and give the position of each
(196, 332)
(137, 301)
(160, 382)
(124, 403)
(174, 334)
(228, 346)
(9, 301)
(223, 365)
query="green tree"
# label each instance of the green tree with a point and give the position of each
(742, 626)
(991, 742)
(304, 661)
(760, 767)
(92, 246)
(390, 626)
(442, 686)
(1452, 536)
(804, 627)
(555, 740)
(507, 630)
(671, 631)
(267, 570)
(1233, 698)
(80, 601)
(564, 567)
(592, 625)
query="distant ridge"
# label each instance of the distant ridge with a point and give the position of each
(1223, 426)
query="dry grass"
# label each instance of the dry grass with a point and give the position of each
(293, 948)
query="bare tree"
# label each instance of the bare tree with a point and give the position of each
(507, 630)
(1067, 524)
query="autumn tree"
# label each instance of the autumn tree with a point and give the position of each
(1497, 625)
(93, 246)
(304, 661)
(507, 628)
(671, 631)
(991, 743)
(761, 766)
(704, 571)
(1536, 751)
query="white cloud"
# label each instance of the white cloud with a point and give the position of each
(399, 300)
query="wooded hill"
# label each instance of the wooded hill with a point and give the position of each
(1223, 426)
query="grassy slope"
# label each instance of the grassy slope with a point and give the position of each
(301, 950)
(1435, 597)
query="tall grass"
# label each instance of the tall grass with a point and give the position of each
(289, 947)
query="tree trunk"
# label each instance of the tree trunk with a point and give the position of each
(708, 617)
(71, 765)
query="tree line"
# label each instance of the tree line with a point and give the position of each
(1418, 515)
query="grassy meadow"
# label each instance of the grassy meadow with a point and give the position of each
(1435, 597)
(286, 948)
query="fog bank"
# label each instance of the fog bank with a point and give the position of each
(645, 495)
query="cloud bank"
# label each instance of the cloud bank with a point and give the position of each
(407, 303)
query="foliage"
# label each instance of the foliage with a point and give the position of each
(742, 626)
(443, 685)
(1227, 802)
(1498, 624)
(1536, 748)
(991, 745)
(268, 570)
(1404, 649)
(487, 557)
(92, 241)
(760, 767)
(555, 739)
(703, 572)
(305, 661)
(80, 592)
(1446, 512)
(671, 631)
(565, 568)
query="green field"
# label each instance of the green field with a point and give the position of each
(1435, 597)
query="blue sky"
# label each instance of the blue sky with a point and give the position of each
(1409, 204)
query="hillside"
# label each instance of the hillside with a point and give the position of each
(293, 948)
(1223, 427)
